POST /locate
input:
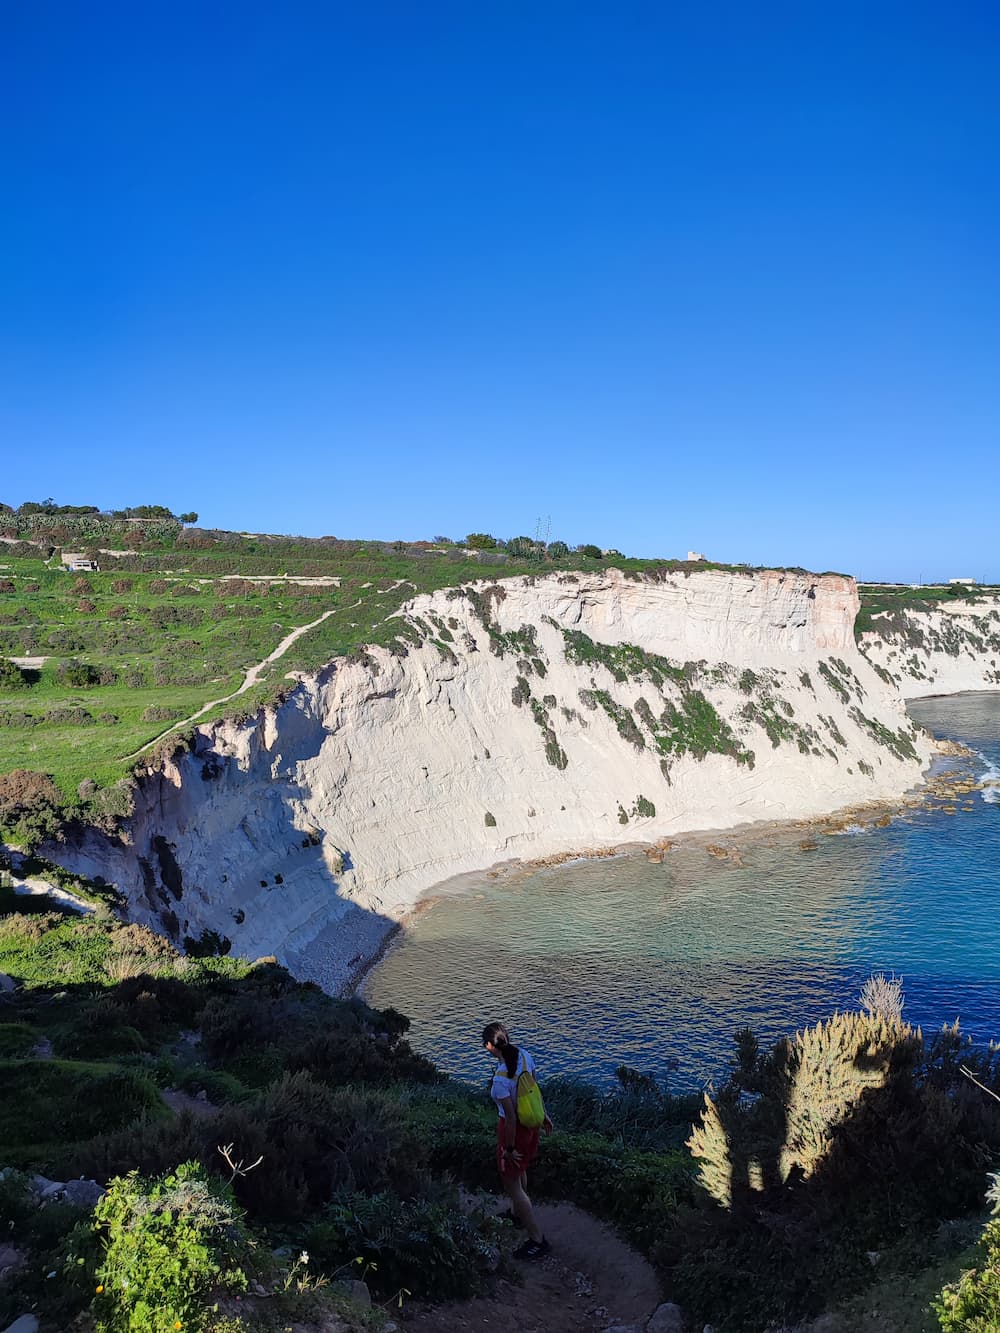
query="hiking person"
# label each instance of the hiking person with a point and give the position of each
(517, 1142)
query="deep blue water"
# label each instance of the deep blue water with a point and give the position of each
(599, 963)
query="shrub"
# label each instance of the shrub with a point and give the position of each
(856, 1131)
(71, 717)
(169, 1244)
(49, 1102)
(29, 804)
(882, 997)
(972, 1304)
(429, 1249)
(16, 1039)
(315, 1142)
(636, 1113)
(11, 675)
(160, 713)
(78, 675)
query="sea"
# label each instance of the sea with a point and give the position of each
(594, 964)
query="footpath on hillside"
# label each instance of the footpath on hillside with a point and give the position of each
(591, 1281)
(250, 678)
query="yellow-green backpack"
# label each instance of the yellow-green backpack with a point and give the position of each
(530, 1107)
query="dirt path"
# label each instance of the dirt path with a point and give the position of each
(251, 678)
(590, 1281)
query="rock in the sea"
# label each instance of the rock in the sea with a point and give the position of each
(666, 1318)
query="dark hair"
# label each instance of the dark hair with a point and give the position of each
(496, 1034)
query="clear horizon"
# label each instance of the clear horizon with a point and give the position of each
(726, 282)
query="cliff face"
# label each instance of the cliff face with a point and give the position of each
(945, 650)
(528, 717)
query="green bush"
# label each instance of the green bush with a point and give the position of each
(218, 1086)
(16, 1039)
(16, 1200)
(972, 1304)
(315, 1142)
(152, 1144)
(637, 1112)
(429, 1249)
(11, 675)
(168, 1246)
(48, 1103)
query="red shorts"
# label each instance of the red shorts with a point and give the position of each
(525, 1142)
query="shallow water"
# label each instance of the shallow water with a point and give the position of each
(599, 963)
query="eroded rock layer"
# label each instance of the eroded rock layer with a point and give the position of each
(940, 650)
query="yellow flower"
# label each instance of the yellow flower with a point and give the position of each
(100, 1288)
(177, 1323)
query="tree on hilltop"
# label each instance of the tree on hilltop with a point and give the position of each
(481, 541)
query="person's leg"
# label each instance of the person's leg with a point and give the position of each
(521, 1205)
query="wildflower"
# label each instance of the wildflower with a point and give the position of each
(177, 1323)
(99, 1288)
(304, 1257)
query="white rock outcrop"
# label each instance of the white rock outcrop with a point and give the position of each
(944, 649)
(527, 717)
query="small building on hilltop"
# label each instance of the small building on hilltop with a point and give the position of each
(970, 581)
(78, 563)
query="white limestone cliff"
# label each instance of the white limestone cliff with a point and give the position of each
(539, 715)
(943, 649)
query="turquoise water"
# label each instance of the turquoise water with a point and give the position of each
(599, 963)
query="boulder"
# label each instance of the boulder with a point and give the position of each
(11, 1259)
(82, 1193)
(26, 1324)
(666, 1318)
(43, 1188)
(7, 984)
(355, 1291)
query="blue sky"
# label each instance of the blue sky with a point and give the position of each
(722, 277)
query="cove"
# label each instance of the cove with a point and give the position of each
(594, 964)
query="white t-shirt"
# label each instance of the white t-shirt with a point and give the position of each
(502, 1086)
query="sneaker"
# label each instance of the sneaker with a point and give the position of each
(533, 1249)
